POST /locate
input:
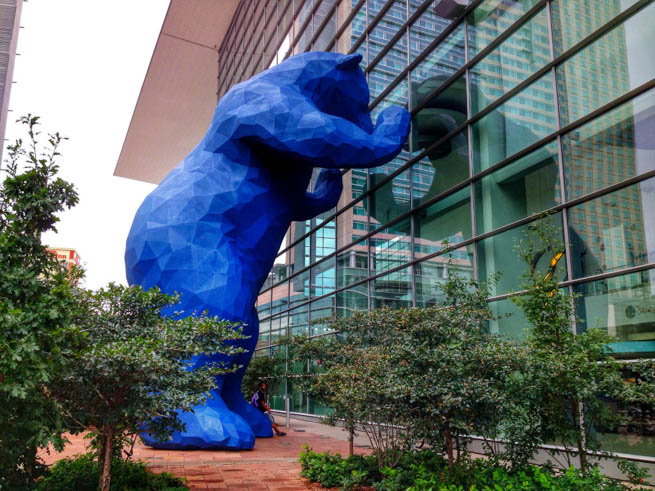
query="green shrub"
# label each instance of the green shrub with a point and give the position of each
(429, 471)
(82, 474)
(332, 470)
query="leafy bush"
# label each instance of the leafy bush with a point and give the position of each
(432, 374)
(566, 371)
(332, 470)
(82, 474)
(428, 470)
(130, 372)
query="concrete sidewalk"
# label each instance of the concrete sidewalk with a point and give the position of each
(271, 465)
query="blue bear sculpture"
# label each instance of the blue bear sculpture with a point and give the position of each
(211, 230)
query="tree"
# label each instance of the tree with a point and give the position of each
(131, 370)
(567, 372)
(404, 375)
(37, 298)
(459, 371)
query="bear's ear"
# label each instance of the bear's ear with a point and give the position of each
(349, 62)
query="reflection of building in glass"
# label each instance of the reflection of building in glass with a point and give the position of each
(518, 107)
(607, 233)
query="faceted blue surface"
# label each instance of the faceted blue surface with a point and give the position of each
(211, 230)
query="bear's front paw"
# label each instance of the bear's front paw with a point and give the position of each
(393, 124)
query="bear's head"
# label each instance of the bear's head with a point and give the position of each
(332, 81)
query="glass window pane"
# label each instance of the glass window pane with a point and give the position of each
(306, 35)
(623, 307)
(446, 220)
(390, 200)
(391, 247)
(522, 120)
(264, 304)
(280, 323)
(610, 67)
(635, 434)
(352, 224)
(518, 57)
(440, 64)
(388, 68)
(276, 395)
(299, 288)
(574, 20)
(432, 273)
(286, 17)
(392, 290)
(451, 101)
(489, 19)
(276, 335)
(319, 409)
(499, 254)
(510, 321)
(321, 309)
(264, 335)
(271, 25)
(525, 187)
(280, 301)
(614, 231)
(445, 166)
(352, 300)
(354, 186)
(415, 4)
(325, 9)
(298, 400)
(611, 148)
(427, 28)
(299, 253)
(354, 31)
(298, 320)
(323, 241)
(352, 264)
(390, 23)
(323, 277)
(344, 9)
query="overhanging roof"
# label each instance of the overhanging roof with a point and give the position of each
(178, 95)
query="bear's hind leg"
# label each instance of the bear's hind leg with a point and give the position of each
(237, 403)
(210, 425)
(231, 387)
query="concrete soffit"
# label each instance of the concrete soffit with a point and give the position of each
(178, 95)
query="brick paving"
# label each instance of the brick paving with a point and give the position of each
(271, 465)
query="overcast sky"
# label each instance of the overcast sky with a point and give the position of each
(81, 66)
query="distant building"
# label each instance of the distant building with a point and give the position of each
(65, 255)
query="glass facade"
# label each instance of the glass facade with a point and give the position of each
(518, 107)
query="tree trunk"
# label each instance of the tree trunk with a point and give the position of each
(351, 441)
(583, 456)
(457, 446)
(29, 463)
(107, 451)
(449, 448)
(101, 452)
(579, 434)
